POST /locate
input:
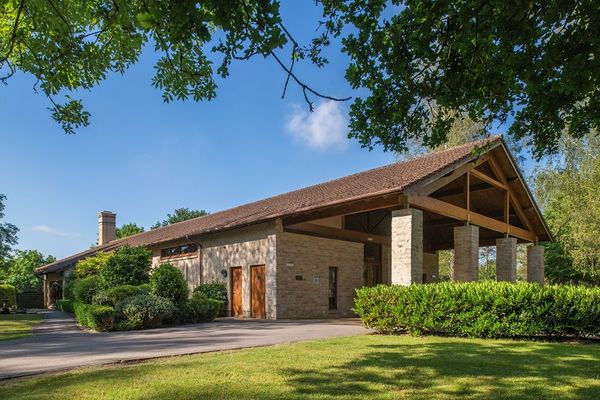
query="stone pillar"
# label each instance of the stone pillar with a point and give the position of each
(246, 291)
(535, 264)
(407, 246)
(506, 259)
(466, 253)
(431, 267)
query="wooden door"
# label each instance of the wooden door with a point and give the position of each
(258, 291)
(236, 292)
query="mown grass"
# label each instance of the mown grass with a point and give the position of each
(16, 326)
(378, 367)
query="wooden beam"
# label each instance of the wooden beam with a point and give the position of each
(453, 192)
(390, 201)
(468, 200)
(488, 179)
(450, 210)
(307, 228)
(444, 180)
(512, 198)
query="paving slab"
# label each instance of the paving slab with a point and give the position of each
(58, 344)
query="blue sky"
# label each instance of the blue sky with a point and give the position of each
(142, 158)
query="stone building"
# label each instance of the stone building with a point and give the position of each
(302, 254)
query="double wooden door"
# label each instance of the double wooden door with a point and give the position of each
(257, 291)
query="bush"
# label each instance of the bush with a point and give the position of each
(99, 318)
(113, 295)
(126, 266)
(64, 305)
(168, 282)
(202, 309)
(216, 291)
(84, 289)
(144, 311)
(481, 309)
(8, 294)
(91, 266)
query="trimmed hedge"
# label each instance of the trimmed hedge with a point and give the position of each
(144, 311)
(113, 295)
(202, 309)
(99, 318)
(168, 282)
(64, 305)
(8, 294)
(84, 289)
(216, 291)
(481, 309)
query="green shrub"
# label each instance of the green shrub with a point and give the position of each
(84, 289)
(64, 305)
(144, 288)
(202, 309)
(126, 266)
(111, 296)
(68, 289)
(8, 294)
(99, 318)
(481, 309)
(144, 311)
(214, 290)
(91, 266)
(168, 282)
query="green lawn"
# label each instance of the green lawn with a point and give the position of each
(15, 326)
(383, 367)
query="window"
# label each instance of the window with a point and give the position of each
(179, 251)
(333, 282)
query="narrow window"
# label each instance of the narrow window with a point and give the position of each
(333, 282)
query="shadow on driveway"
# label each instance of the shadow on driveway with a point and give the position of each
(58, 344)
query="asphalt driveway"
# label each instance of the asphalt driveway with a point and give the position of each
(58, 344)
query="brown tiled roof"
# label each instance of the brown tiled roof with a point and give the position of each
(388, 179)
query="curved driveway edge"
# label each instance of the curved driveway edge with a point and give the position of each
(57, 344)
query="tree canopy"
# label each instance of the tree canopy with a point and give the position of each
(128, 230)
(567, 188)
(180, 215)
(8, 234)
(21, 269)
(415, 65)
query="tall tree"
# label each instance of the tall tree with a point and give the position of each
(21, 269)
(8, 234)
(128, 230)
(416, 65)
(180, 215)
(567, 188)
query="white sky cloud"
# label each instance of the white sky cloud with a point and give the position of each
(51, 231)
(324, 129)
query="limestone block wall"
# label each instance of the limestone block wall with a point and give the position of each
(242, 247)
(303, 274)
(190, 266)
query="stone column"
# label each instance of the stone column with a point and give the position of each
(431, 267)
(506, 259)
(535, 264)
(407, 246)
(246, 291)
(466, 253)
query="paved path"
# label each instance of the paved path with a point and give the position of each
(58, 344)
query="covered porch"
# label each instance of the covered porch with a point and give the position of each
(480, 203)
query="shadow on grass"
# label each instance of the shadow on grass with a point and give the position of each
(358, 367)
(458, 368)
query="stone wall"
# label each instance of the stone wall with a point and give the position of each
(303, 274)
(242, 247)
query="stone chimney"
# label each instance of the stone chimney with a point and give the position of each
(107, 227)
